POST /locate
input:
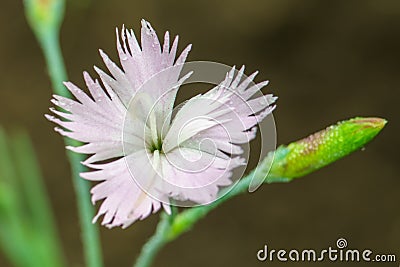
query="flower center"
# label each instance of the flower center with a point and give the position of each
(156, 139)
(156, 145)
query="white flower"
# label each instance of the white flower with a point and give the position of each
(142, 155)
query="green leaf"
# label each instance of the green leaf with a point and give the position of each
(37, 201)
(27, 232)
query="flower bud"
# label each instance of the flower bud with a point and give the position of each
(324, 147)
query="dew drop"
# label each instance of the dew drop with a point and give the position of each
(230, 75)
(123, 57)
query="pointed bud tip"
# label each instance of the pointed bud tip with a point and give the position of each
(372, 122)
(326, 146)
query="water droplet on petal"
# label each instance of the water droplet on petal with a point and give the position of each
(230, 75)
(123, 56)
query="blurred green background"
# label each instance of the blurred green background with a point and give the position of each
(326, 60)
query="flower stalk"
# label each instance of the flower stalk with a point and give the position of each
(293, 161)
(45, 18)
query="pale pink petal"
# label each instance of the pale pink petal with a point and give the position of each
(124, 200)
(187, 176)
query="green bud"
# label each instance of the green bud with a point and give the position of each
(324, 147)
(44, 16)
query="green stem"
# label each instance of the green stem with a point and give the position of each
(157, 241)
(90, 232)
(55, 62)
(45, 19)
(285, 164)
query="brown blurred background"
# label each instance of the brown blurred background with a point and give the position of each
(326, 60)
